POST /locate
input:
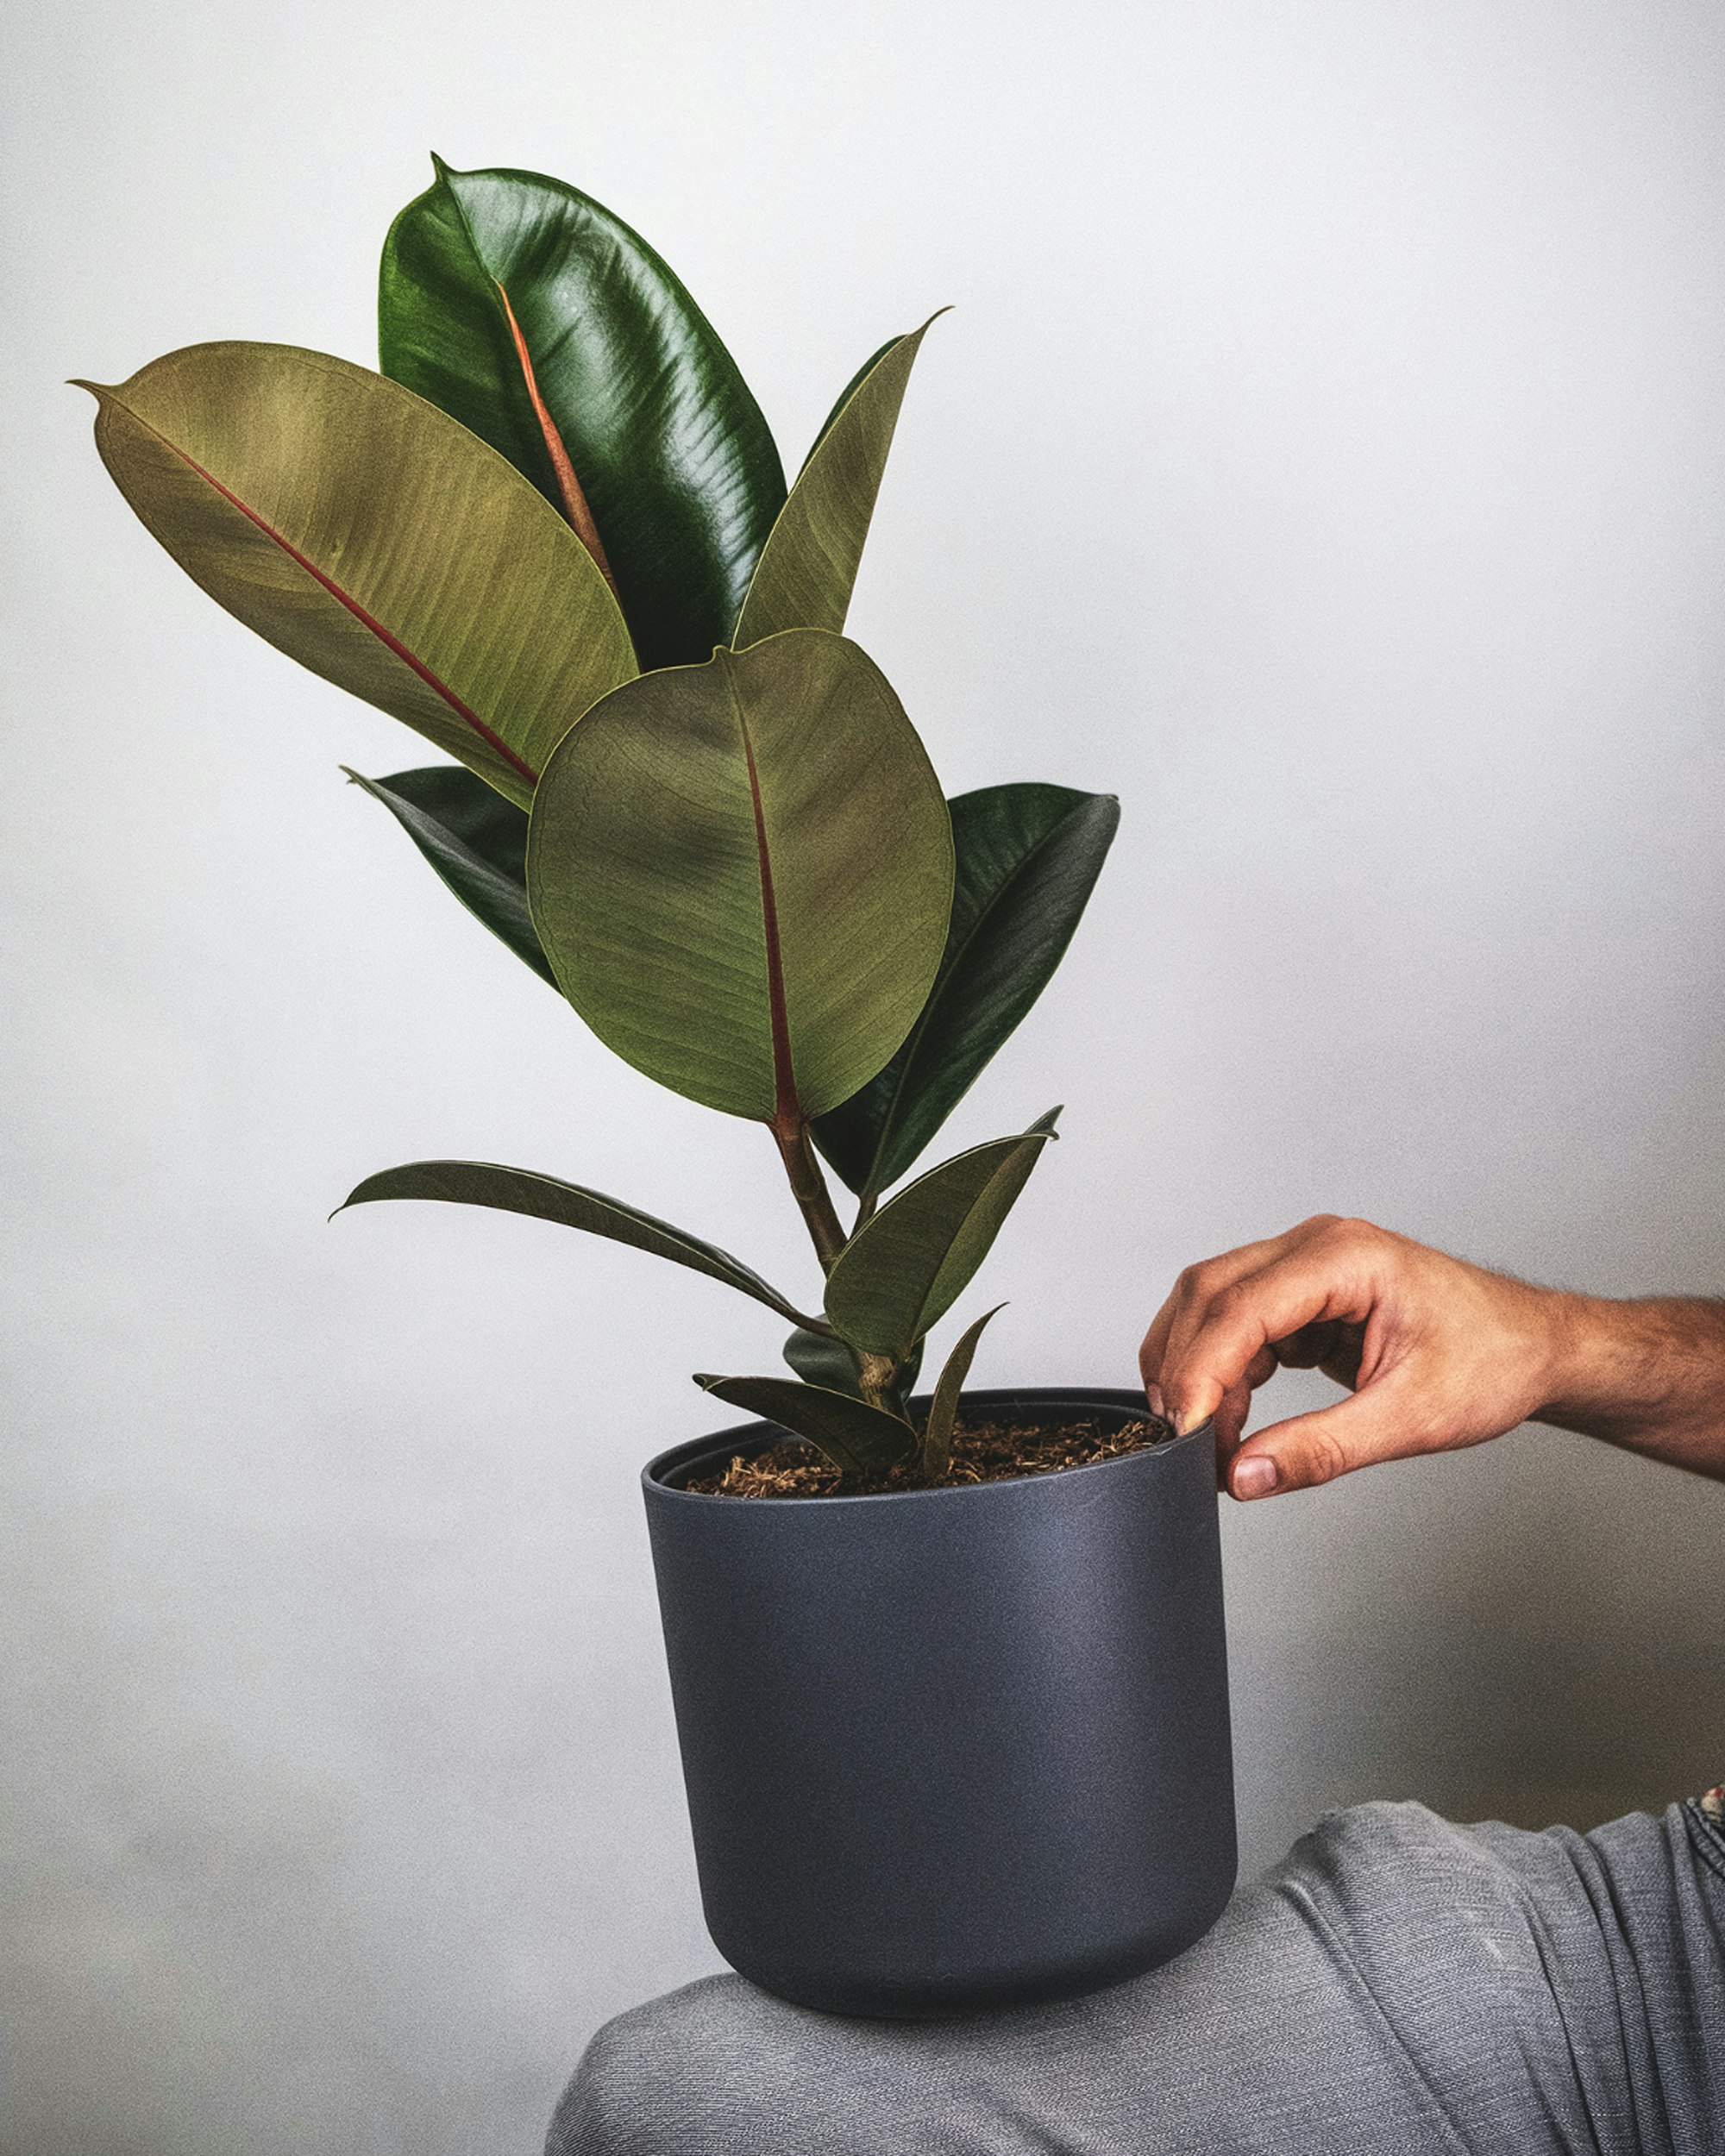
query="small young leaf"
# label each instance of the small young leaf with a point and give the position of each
(1026, 858)
(466, 1182)
(818, 1358)
(808, 566)
(541, 322)
(860, 1440)
(477, 843)
(742, 873)
(936, 1433)
(899, 1275)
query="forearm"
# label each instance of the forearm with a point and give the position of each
(1648, 1376)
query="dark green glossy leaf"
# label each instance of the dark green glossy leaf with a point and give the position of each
(374, 540)
(901, 1274)
(475, 840)
(860, 1440)
(742, 874)
(819, 1359)
(808, 566)
(943, 1409)
(541, 322)
(466, 1182)
(1026, 858)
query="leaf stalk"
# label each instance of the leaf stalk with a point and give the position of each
(808, 1188)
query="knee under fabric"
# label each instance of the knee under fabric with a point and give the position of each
(1396, 1986)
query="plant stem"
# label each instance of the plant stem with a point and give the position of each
(808, 1188)
(877, 1375)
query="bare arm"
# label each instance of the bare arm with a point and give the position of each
(1437, 1354)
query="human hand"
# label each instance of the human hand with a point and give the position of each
(1437, 1353)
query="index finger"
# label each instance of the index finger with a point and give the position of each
(1199, 1285)
(1212, 1344)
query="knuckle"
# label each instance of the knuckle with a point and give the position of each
(1195, 1281)
(1322, 1458)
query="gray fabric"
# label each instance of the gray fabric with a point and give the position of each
(1398, 1986)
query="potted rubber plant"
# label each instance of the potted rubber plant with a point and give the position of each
(949, 1669)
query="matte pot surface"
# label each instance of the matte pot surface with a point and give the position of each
(955, 1749)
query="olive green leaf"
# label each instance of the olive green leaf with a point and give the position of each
(742, 874)
(475, 840)
(860, 1440)
(943, 1409)
(467, 1182)
(819, 1358)
(373, 539)
(901, 1274)
(1027, 858)
(844, 396)
(539, 320)
(808, 565)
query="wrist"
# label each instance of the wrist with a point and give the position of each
(1649, 1374)
(1574, 1367)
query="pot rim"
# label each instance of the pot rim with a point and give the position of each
(692, 1448)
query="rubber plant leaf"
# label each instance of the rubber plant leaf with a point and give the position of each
(808, 566)
(742, 874)
(844, 396)
(942, 1410)
(477, 843)
(861, 1441)
(373, 539)
(1027, 859)
(532, 314)
(899, 1275)
(467, 1182)
(818, 1358)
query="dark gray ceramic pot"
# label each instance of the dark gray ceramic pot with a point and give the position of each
(955, 1749)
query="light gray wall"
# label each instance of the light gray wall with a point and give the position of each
(1325, 454)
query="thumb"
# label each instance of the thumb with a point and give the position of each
(1307, 1450)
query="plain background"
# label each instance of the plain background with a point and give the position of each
(1325, 454)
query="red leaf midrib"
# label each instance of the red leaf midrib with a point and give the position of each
(390, 642)
(787, 1109)
(576, 502)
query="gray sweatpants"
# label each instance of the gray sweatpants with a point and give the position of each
(1397, 1986)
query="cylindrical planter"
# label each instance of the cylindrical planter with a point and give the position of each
(953, 1749)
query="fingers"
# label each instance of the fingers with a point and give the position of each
(1236, 1405)
(1223, 1321)
(1437, 1353)
(1386, 1422)
(1198, 1285)
(1229, 1419)
(1331, 1347)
